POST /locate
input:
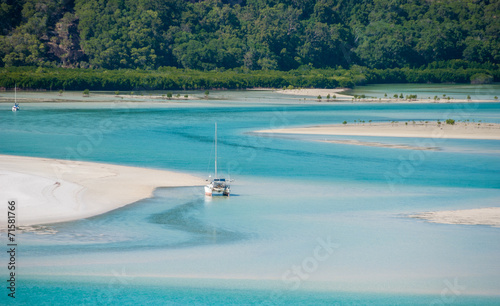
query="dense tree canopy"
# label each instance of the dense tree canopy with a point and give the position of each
(252, 34)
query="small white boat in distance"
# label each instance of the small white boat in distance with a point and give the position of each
(15, 107)
(217, 185)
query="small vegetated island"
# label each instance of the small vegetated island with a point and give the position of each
(234, 44)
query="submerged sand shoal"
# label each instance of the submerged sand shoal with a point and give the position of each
(381, 145)
(53, 190)
(480, 216)
(459, 130)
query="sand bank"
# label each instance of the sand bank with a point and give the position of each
(315, 92)
(52, 190)
(99, 97)
(162, 98)
(323, 92)
(481, 216)
(386, 129)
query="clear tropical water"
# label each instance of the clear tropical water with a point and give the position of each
(308, 222)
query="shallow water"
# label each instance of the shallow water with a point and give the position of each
(290, 196)
(424, 91)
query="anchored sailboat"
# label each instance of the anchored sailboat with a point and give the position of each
(217, 185)
(16, 107)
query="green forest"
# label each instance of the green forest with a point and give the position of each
(237, 43)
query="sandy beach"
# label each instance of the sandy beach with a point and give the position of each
(163, 98)
(101, 97)
(481, 216)
(420, 129)
(315, 92)
(52, 190)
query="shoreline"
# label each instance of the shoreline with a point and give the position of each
(92, 97)
(323, 92)
(302, 94)
(54, 190)
(459, 130)
(314, 92)
(489, 216)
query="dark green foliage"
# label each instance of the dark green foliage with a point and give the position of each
(450, 121)
(169, 78)
(254, 35)
(481, 78)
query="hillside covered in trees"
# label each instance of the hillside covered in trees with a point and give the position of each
(251, 35)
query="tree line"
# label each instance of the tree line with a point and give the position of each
(171, 78)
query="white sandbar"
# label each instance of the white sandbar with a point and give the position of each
(459, 130)
(52, 190)
(315, 92)
(481, 216)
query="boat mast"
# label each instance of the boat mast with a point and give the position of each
(15, 93)
(215, 149)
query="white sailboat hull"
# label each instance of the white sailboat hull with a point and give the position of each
(224, 189)
(208, 190)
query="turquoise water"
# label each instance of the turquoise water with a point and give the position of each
(104, 294)
(291, 196)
